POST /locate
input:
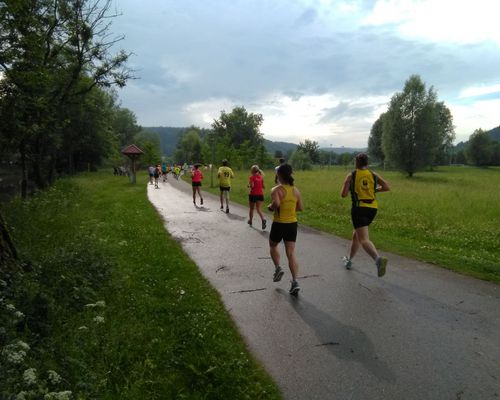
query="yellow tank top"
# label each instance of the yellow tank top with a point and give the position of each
(286, 213)
(363, 187)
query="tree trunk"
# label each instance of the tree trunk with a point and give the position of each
(10, 265)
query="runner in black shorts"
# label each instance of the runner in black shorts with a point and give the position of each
(256, 195)
(362, 184)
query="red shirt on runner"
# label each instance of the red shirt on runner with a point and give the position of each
(197, 175)
(256, 185)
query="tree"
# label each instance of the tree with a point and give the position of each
(412, 127)
(190, 147)
(375, 149)
(446, 132)
(311, 148)
(238, 126)
(300, 160)
(479, 150)
(47, 49)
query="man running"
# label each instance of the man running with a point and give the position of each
(363, 184)
(286, 201)
(225, 174)
(156, 175)
(151, 171)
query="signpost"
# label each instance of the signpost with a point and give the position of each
(133, 152)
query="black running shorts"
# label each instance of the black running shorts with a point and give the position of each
(254, 198)
(194, 184)
(362, 216)
(281, 231)
(225, 188)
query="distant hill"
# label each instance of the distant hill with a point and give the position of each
(169, 136)
(284, 147)
(494, 134)
(340, 150)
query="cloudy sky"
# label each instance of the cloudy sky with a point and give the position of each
(317, 69)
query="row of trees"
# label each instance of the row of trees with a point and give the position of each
(56, 67)
(481, 150)
(235, 136)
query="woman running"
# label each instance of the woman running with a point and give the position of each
(225, 174)
(196, 178)
(362, 184)
(286, 201)
(256, 196)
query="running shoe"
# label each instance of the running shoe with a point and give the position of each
(201, 201)
(221, 207)
(278, 274)
(295, 288)
(264, 224)
(227, 210)
(381, 264)
(249, 222)
(347, 262)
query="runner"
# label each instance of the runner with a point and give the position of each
(286, 201)
(177, 172)
(196, 178)
(362, 184)
(151, 171)
(256, 196)
(156, 174)
(225, 174)
(164, 171)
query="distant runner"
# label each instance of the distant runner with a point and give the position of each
(151, 171)
(363, 184)
(286, 201)
(256, 195)
(164, 171)
(156, 174)
(196, 178)
(225, 174)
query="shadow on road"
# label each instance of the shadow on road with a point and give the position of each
(344, 341)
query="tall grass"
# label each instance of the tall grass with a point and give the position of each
(449, 216)
(128, 314)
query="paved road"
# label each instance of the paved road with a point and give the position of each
(421, 332)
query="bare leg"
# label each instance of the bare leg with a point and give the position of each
(275, 253)
(250, 212)
(198, 189)
(221, 201)
(259, 210)
(363, 238)
(354, 245)
(292, 260)
(226, 195)
(194, 194)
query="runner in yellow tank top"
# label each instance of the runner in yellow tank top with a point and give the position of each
(363, 184)
(286, 201)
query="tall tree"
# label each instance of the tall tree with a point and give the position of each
(190, 147)
(412, 132)
(479, 150)
(238, 126)
(311, 148)
(375, 149)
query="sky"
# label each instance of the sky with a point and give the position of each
(322, 70)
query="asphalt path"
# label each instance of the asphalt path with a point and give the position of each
(420, 332)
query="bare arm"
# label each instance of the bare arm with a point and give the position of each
(299, 206)
(345, 187)
(383, 185)
(275, 198)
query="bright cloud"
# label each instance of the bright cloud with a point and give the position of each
(441, 20)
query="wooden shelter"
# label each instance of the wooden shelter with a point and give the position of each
(133, 152)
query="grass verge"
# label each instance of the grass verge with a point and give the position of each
(126, 314)
(447, 217)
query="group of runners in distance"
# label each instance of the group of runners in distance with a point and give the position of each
(362, 184)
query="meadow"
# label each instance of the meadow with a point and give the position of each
(111, 303)
(449, 216)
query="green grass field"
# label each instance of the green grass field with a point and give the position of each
(449, 217)
(163, 332)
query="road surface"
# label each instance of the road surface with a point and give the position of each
(420, 332)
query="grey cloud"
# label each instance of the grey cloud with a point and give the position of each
(307, 17)
(345, 110)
